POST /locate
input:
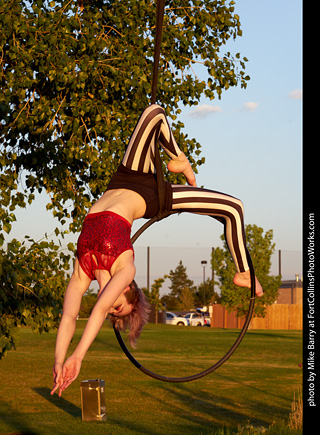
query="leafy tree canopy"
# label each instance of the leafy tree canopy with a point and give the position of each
(182, 289)
(205, 294)
(73, 82)
(179, 280)
(32, 284)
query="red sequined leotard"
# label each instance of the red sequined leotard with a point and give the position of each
(104, 236)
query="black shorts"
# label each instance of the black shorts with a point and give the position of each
(145, 184)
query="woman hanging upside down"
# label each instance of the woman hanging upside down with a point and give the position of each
(104, 250)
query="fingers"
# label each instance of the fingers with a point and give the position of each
(67, 377)
(62, 385)
(56, 386)
(66, 384)
(64, 376)
(57, 372)
(66, 381)
(58, 379)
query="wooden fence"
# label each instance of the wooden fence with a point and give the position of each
(278, 316)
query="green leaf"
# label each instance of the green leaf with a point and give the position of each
(7, 227)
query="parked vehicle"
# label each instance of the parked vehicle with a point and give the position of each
(206, 315)
(207, 320)
(173, 319)
(195, 319)
(198, 319)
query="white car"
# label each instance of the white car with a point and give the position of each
(173, 319)
(195, 319)
(198, 319)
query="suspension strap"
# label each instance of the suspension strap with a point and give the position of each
(158, 164)
(161, 184)
(156, 56)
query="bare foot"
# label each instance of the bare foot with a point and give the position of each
(244, 280)
(182, 165)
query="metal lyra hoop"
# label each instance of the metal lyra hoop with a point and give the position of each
(218, 363)
(161, 215)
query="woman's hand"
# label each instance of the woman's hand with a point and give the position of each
(64, 376)
(70, 371)
(77, 286)
(57, 377)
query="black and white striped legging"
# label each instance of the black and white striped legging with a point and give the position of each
(153, 126)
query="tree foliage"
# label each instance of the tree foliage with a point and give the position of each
(73, 83)
(205, 294)
(184, 295)
(32, 282)
(87, 303)
(153, 296)
(261, 249)
(182, 289)
(186, 299)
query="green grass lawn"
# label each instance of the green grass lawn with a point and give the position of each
(255, 387)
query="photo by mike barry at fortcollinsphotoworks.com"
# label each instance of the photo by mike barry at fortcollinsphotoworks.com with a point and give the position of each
(310, 315)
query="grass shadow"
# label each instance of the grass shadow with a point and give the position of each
(59, 402)
(199, 408)
(15, 420)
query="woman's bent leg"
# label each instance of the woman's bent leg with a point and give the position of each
(216, 204)
(230, 211)
(151, 127)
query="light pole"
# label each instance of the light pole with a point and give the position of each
(204, 262)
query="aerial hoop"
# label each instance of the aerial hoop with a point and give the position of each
(163, 214)
(218, 363)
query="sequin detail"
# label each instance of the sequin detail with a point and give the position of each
(104, 236)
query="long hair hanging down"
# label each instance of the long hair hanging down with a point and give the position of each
(138, 317)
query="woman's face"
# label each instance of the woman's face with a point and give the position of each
(121, 307)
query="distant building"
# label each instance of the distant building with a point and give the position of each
(290, 292)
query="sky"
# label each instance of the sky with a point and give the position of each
(252, 142)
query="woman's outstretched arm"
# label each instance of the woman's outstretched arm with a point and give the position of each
(76, 288)
(122, 277)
